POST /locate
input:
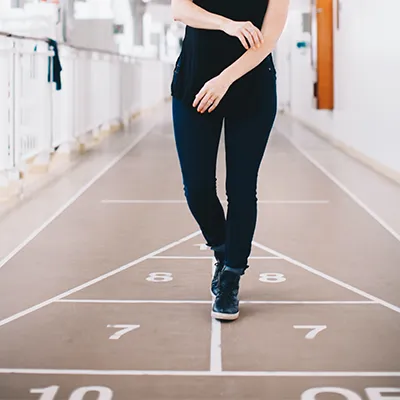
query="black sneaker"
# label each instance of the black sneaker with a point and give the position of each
(226, 304)
(215, 280)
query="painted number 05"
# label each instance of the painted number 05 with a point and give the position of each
(49, 393)
(372, 393)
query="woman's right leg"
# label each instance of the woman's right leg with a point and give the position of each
(197, 138)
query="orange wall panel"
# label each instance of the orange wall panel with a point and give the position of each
(325, 66)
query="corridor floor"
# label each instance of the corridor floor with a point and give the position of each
(110, 298)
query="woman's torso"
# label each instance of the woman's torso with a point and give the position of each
(206, 53)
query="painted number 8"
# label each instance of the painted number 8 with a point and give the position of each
(159, 277)
(272, 277)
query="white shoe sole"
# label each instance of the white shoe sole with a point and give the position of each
(225, 317)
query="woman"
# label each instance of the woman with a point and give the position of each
(225, 73)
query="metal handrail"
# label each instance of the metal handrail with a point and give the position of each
(100, 95)
(93, 50)
(12, 35)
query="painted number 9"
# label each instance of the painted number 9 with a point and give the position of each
(272, 277)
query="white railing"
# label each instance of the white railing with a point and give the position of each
(99, 90)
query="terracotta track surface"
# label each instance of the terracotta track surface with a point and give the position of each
(111, 300)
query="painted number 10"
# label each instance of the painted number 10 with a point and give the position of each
(49, 393)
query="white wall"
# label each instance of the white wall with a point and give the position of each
(93, 33)
(38, 20)
(160, 13)
(93, 25)
(366, 118)
(123, 15)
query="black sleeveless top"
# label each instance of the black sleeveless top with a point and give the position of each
(206, 53)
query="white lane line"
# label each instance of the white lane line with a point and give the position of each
(294, 202)
(182, 257)
(216, 350)
(110, 301)
(316, 302)
(94, 372)
(345, 189)
(74, 198)
(98, 301)
(95, 280)
(216, 345)
(209, 258)
(331, 279)
(143, 202)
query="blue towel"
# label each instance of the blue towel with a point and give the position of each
(56, 65)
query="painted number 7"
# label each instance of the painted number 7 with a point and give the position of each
(123, 329)
(315, 329)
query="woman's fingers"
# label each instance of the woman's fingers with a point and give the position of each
(211, 94)
(199, 96)
(214, 105)
(248, 34)
(208, 101)
(249, 37)
(243, 40)
(260, 35)
(256, 35)
(205, 103)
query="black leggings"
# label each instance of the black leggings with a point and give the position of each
(197, 137)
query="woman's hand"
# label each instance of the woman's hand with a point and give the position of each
(272, 28)
(246, 32)
(212, 93)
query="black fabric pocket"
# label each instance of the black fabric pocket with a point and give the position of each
(175, 76)
(271, 65)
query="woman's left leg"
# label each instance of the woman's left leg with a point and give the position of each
(246, 142)
(246, 138)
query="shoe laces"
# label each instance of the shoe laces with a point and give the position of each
(228, 284)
